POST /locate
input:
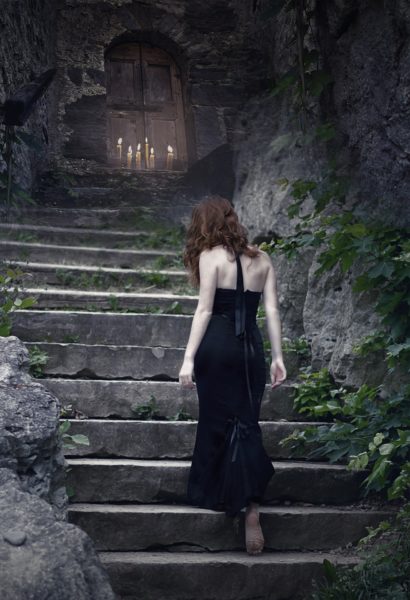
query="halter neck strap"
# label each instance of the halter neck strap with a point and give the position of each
(240, 307)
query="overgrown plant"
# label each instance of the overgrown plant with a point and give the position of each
(11, 297)
(147, 411)
(383, 572)
(305, 80)
(38, 359)
(71, 440)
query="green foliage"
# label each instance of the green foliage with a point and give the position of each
(299, 346)
(150, 412)
(305, 80)
(147, 411)
(71, 338)
(182, 415)
(10, 297)
(383, 572)
(168, 262)
(38, 359)
(70, 441)
(155, 279)
(175, 308)
(370, 431)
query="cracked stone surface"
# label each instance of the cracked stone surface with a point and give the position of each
(41, 556)
(29, 422)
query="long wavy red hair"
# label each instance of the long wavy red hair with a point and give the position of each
(214, 222)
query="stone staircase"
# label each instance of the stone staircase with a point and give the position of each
(113, 314)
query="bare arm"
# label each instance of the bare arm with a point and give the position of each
(202, 315)
(270, 300)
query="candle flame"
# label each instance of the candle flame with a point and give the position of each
(170, 149)
(129, 149)
(119, 141)
(139, 147)
(146, 140)
(152, 150)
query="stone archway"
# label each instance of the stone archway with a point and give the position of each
(145, 107)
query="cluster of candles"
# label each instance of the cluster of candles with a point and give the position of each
(149, 156)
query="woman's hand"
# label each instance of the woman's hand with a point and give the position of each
(186, 373)
(277, 372)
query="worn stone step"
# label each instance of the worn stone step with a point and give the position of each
(35, 252)
(99, 185)
(98, 217)
(92, 277)
(165, 330)
(73, 235)
(133, 527)
(216, 576)
(110, 362)
(122, 399)
(102, 328)
(106, 361)
(55, 298)
(164, 481)
(164, 439)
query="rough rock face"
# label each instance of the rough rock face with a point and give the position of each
(29, 421)
(367, 52)
(41, 551)
(26, 50)
(42, 557)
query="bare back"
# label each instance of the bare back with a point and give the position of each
(255, 270)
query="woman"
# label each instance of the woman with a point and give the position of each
(230, 468)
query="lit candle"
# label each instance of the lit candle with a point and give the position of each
(129, 157)
(146, 154)
(152, 159)
(138, 157)
(170, 158)
(119, 148)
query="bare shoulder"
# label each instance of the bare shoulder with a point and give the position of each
(265, 258)
(209, 256)
(263, 254)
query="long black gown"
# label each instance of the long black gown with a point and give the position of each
(230, 466)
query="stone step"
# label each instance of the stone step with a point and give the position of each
(164, 439)
(73, 235)
(91, 277)
(165, 481)
(102, 328)
(55, 298)
(122, 361)
(134, 527)
(98, 217)
(110, 362)
(97, 327)
(97, 186)
(216, 576)
(117, 399)
(83, 255)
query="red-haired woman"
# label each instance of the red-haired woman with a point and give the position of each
(230, 468)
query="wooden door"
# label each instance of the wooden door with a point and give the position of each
(144, 101)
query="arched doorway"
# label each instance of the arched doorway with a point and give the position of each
(145, 109)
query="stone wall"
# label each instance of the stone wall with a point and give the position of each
(209, 41)
(27, 50)
(366, 47)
